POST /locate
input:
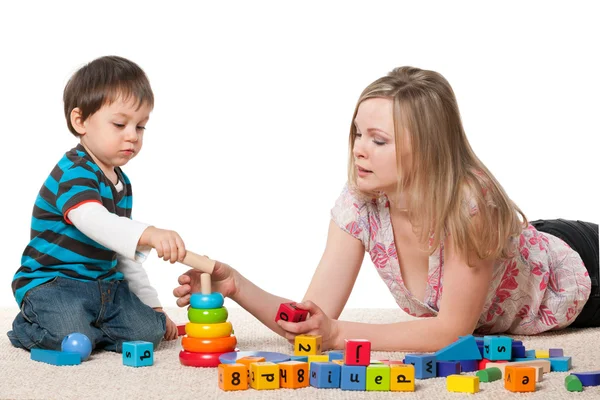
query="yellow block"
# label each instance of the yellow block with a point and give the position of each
(402, 378)
(462, 383)
(264, 375)
(308, 345)
(542, 354)
(321, 358)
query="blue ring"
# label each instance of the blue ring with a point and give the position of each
(213, 300)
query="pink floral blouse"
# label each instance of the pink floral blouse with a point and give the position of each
(544, 287)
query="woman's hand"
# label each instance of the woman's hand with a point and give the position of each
(318, 323)
(223, 280)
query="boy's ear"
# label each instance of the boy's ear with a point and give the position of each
(77, 121)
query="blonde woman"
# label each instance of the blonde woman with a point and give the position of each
(440, 230)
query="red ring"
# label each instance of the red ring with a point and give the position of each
(206, 360)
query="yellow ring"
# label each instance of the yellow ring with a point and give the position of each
(208, 330)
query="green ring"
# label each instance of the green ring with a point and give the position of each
(207, 315)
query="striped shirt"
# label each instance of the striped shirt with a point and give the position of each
(57, 248)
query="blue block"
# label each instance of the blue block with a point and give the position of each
(138, 353)
(517, 342)
(591, 378)
(496, 348)
(469, 365)
(480, 347)
(299, 358)
(557, 364)
(518, 351)
(529, 353)
(425, 366)
(325, 375)
(354, 377)
(336, 355)
(55, 357)
(465, 348)
(445, 368)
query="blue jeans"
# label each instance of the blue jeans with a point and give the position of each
(106, 312)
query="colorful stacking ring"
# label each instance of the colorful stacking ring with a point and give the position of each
(213, 300)
(190, 359)
(208, 315)
(214, 345)
(207, 331)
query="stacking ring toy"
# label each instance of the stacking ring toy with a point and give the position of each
(208, 315)
(214, 345)
(190, 359)
(213, 300)
(207, 331)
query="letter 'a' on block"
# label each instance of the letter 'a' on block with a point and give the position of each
(357, 352)
(573, 384)
(233, 377)
(264, 375)
(462, 383)
(465, 348)
(402, 378)
(289, 312)
(307, 345)
(54, 357)
(138, 353)
(519, 379)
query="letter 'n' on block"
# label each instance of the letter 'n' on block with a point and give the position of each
(357, 352)
(307, 345)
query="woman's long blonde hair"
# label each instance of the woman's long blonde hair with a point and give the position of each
(448, 189)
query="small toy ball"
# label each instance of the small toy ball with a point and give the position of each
(77, 343)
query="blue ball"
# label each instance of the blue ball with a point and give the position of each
(77, 343)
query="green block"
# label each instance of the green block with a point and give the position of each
(489, 374)
(573, 384)
(378, 377)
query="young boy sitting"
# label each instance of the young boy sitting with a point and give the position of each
(81, 271)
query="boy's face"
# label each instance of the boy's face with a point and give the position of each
(114, 134)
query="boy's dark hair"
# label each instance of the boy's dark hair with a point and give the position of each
(101, 82)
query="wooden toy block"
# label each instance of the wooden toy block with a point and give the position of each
(313, 359)
(293, 374)
(264, 375)
(542, 354)
(573, 384)
(336, 355)
(138, 353)
(338, 362)
(425, 366)
(354, 377)
(247, 361)
(307, 345)
(233, 377)
(483, 364)
(54, 357)
(205, 331)
(357, 352)
(289, 312)
(489, 374)
(376, 362)
(378, 378)
(181, 330)
(462, 384)
(396, 362)
(468, 365)
(556, 364)
(518, 351)
(555, 353)
(465, 348)
(497, 348)
(529, 353)
(591, 378)
(402, 378)
(299, 358)
(519, 379)
(325, 375)
(445, 368)
(538, 367)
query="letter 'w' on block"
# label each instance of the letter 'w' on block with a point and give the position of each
(465, 348)
(357, 352)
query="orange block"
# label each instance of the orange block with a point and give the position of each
(233, 377)
(209, 345)
(249, 360)
(519, 379)
(293, 374)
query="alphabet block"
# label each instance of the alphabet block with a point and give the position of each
(138, 353)
(293, 374)
(462, 384)
(289, 312)
(378, 377)
(55, 357)
(497, 348)
(354, 377)
(325, 375)
(336, 355)
(537, 365)
(264, 375)
(307, 345)
(233, 377)
(357, 352)
(247, 361)
(519, 379)
(425, 366)
(402, 378)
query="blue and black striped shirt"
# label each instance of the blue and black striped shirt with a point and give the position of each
(57, 248)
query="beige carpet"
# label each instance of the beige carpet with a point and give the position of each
(103, 376)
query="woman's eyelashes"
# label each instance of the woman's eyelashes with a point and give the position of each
(377, 141)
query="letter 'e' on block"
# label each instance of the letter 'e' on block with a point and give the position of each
(357, 352)
(233, 377)
(519, 379)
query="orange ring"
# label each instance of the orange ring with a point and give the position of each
(216, 345)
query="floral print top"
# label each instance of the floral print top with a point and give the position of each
(543, 287)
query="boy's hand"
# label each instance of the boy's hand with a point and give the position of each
(224, 280)
(171, 331)
(318, 323)
(168, 244)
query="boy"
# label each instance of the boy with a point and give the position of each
(81, 271)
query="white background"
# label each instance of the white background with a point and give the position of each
(246, 150)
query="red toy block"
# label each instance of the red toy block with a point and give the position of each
(289, 312)
(181, 330)
(358, 352)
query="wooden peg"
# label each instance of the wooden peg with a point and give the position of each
(201, 263)
(205, 284)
